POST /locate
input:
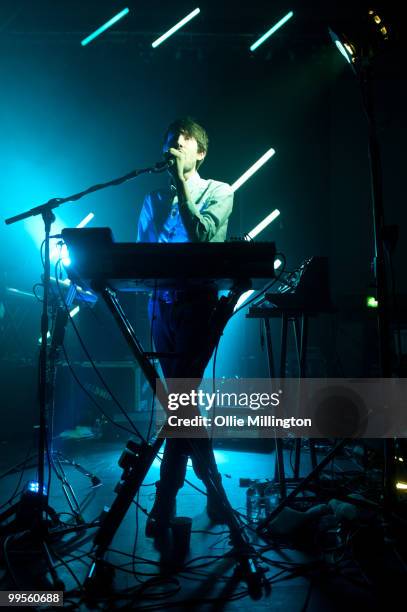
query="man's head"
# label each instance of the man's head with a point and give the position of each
(187, 135)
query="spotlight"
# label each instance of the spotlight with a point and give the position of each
(401, 486)
(258, 164)
(64, 255)
(344, 46)
(361, 45)
(104, 27)
(271, 31)
(175, 28)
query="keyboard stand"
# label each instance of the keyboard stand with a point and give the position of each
(299, 320)
(136, 461)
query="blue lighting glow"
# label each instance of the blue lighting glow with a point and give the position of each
(104, 27)
(175, 28)
(33, 487)
(271, 31)
(60, 250)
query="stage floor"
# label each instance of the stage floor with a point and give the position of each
(301, 577)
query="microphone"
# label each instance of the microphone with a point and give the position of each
(166, 163)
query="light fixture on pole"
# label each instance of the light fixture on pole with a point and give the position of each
(368, 39)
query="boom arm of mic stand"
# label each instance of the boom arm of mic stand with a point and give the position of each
(55, 202)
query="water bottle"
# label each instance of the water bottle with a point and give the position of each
(272, 497)
(253, 504)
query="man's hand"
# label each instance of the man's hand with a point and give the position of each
(177, 170)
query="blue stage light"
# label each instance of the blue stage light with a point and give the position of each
(104, 27)
(271, 31)
(33, 486)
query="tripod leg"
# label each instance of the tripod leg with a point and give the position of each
(95, 480)
(67, 488)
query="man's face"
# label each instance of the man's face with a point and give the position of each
(189, 146)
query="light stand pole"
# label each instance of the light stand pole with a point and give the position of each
(361, 63)
(385, 344)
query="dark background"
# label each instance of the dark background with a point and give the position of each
(72, 116)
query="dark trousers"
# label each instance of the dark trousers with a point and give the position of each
(187, 328)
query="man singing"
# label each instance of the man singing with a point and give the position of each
(190, 209)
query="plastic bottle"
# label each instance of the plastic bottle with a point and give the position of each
(253, 504)
(272, 497)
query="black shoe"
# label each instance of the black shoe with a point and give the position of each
(161, 514)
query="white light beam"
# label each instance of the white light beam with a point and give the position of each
(263, 224)
(175, 28)
(258, 164)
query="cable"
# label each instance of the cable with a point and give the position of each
(15, 493)
(66, 565)
(154, 300)
(137, 504)
(259, 294)
(85, 350)
(50, 464)
(92, 399)
(7, 560)
(34, 290)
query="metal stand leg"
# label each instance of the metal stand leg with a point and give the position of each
(300, 330)
(279, 473)
(269, 347)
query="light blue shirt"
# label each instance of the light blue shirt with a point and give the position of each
(160, 219)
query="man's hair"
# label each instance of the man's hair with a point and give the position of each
(188, 126)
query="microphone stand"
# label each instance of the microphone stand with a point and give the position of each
(55, 202)
(38, 521)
